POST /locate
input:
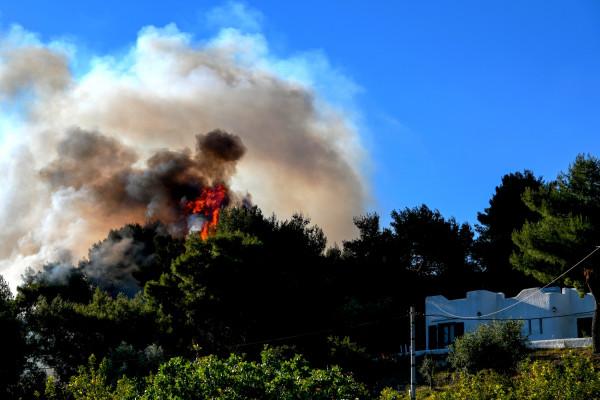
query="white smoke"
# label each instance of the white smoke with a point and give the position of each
(303, 154)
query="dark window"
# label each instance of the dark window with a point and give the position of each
(446, 333)
(584, 327)
(432, 337)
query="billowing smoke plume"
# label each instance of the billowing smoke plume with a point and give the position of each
(121, 263)
(126, 140)
(125, 260)
(104, 168)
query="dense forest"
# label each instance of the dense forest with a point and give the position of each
(142, 296)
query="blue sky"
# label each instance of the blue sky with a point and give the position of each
(447, 96)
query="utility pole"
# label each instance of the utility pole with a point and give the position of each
(413, 360)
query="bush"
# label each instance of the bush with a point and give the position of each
(484, 385)
(574, 378)
(91, 383)
(428, 369)
(390, 394)
(235, 378)
(215, 378)
(349, 355)
(499, 346)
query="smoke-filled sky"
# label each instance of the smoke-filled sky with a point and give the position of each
(111, 111)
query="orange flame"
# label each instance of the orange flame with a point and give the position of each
(209, 204)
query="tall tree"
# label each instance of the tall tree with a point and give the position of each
(432, 245)
(211, 291)
(507, 212)
(567, 230)
(17, 367)
(374, 245)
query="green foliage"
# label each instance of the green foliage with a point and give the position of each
(574, 378)
(19, 371)
(390, 394)
(91, 384)
(506, 213)
(345, 348)
(374, 245)
(52, 280)
(428, 370)
(296, 233)
(433, 246)
(203, 291)
(484, 385)
(238, 286)
(126, 360)
(499, 346)
(567, 230)
(568, 224)
(235, 378)
(349, 355)
(63, 331)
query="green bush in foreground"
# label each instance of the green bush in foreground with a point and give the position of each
(215, 378)
(234, 378)
(575, 378)
(498, 346)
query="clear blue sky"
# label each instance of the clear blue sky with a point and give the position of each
(453, 94)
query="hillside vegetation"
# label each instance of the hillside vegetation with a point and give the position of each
(148, 312)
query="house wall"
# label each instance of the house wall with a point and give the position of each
(531, 305)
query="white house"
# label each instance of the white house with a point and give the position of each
(549, 313)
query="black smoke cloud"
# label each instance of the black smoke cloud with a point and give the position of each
(105, 168)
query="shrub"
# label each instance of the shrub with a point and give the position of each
(349, 355)
(574, 378)
(235, 378)
(390, 394)
(499, 346)
(428, 369)
(484, 385)
(91, 383)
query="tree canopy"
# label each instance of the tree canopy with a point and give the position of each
(142, 295)
(493, 247)
(566, 230)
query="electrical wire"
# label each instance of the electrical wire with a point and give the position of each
(520, 319)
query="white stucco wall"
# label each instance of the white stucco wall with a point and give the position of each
(531, 305)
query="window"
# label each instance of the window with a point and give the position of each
(584, 327)
(541, 327)
(443, 335)
(432, 337)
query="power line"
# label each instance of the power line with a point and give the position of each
(519, 319)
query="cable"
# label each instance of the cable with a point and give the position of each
(520, 319)
(521, 300)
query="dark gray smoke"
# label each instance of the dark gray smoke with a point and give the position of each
(106, 169)
(125, 260)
